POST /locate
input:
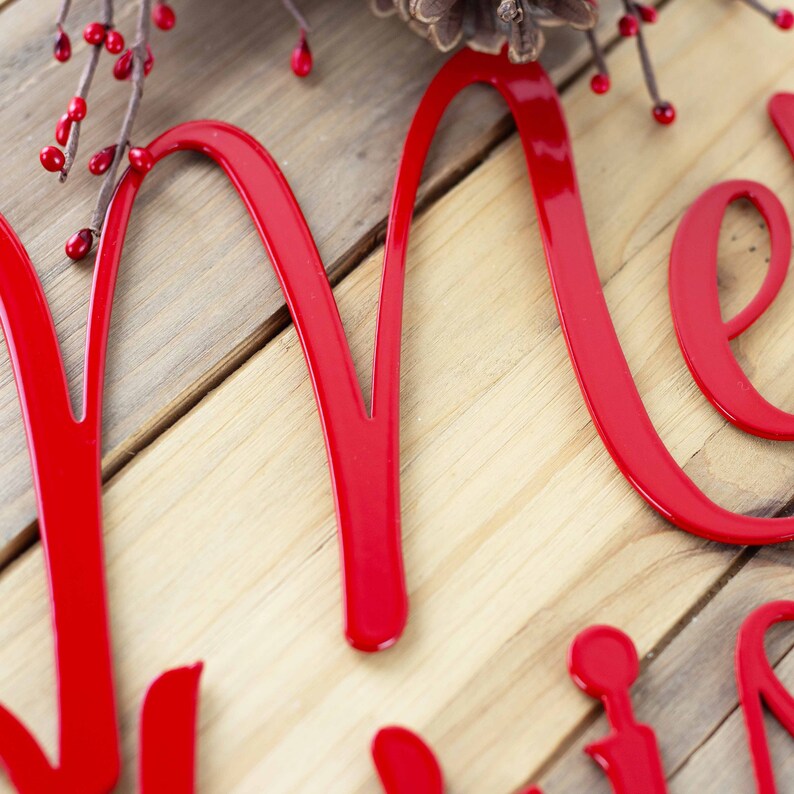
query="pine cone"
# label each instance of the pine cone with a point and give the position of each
(485, 25)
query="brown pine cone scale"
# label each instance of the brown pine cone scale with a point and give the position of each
(485, 25)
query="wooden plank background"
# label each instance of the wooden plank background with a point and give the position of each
(519, 531)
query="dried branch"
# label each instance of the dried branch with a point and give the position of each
(645, 58)
(598, 52)
(63, 12)
(760, 7)
(139, 55)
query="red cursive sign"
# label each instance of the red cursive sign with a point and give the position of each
(362, 444)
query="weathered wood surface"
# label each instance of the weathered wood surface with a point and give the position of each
(194, 272)
(518, 529)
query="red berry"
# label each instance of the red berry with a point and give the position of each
(648, 13)
(101, 160)
(600, 83)
(163, 16)
(94, 33)
(302, 60)
(62, 129)
(63, 46)
(784, 18)
(114, 42)
(79, 244)
(141, 159)
(628, 25)
(664, 113)
(122, 69)
(148, 64)
(77, 108)
(52, 158)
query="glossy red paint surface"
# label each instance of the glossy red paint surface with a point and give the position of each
(694, 301)
(603, 663)
(168, 733)
(405, 764)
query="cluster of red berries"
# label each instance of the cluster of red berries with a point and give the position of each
(52, 158)
(629, 26)
(98, 34)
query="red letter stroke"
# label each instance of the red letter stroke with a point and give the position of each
(694, 299)
(758, 685)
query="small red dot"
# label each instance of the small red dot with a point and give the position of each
(784, 19)
(141, 159)
(114, 42)
(94, 33)
(600, 83)
(628, 25)
(102, 160)
(163, 16)
(122, 69)
(62, 129)
(664, 113)
(79, 244)
(52, 158)
(148, 64)
(302, 59)
(63, 47)
(77, 108)
(648, 13)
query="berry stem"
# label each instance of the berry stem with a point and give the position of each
(645, 58)
(139, 55)
(296, 14)
(598, 53)
(63, 12)
(759, 6)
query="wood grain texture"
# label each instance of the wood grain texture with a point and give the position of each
(194, 272)
(518, 529)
